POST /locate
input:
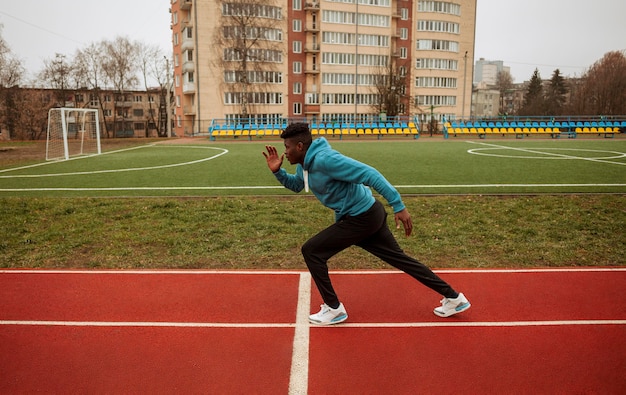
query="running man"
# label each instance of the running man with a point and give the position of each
(342, 184)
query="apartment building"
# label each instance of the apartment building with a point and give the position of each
(264, 61)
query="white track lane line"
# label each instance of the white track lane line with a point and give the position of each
(589, 269)
(299, 375)
(300, 354)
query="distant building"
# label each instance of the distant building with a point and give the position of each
(319, 59)
(131, 114)
(487, 71)
(485, 101)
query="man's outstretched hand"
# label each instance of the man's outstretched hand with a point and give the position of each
(274, 161)
(404, 217)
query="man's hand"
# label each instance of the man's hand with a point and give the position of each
(404, 217)
(274, 162)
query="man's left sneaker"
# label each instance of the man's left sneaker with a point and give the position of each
(452, 306)
(328, 315)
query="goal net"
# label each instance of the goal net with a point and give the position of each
(72, 132)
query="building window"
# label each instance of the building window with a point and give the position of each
(440, 7)
(438, 45)
(297, 47)
(436, 64)
(404, 33)
(297, 67)
(297, 108)
(296, 25)
(432, 100)
(297, 88)
(438, 26)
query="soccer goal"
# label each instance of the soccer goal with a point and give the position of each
(72, 132)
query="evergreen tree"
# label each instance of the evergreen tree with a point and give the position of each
(534, 103)
(555, 96)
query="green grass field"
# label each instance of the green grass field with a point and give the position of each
(413, 166)
(201, 204)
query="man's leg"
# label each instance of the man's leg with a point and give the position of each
(332, 240)
(384, 245)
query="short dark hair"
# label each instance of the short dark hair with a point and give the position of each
(298, 130)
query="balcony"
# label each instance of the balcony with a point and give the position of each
(189, 88)
(312, 109)
(188, 67)
(189, 110)
(313, 27)
(312, 6)
(186, 4)
(186, 23)
(312, 99)
(187, 44)
(314, 47)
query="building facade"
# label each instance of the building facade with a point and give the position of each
(128, 114)
(265, 61)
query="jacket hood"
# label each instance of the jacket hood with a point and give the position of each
(318, 145)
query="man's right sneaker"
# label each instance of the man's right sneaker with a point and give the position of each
(452, 306)
(328, 315)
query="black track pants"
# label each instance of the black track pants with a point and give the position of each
(370, 232)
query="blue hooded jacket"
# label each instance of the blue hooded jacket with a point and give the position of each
(339, 182)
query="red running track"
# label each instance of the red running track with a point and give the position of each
(544, 331)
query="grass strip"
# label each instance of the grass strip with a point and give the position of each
(267, 232)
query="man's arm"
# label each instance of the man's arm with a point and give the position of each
(350, 170)
(274, 162)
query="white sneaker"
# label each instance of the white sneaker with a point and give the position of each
(452, 306)
(328, 315)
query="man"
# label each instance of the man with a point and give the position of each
(341, 184)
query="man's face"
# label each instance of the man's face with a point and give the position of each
(294, 151)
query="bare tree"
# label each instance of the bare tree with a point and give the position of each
(58, 74)
(153, 67)
(121, 68)
(11, 74)
(391, 87)
(602, 89)
(89, 72)
(33, 107)
(504, 84)
(247, 45)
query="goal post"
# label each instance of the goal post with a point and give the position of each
(72, 132)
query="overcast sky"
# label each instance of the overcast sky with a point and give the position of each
(528, 34)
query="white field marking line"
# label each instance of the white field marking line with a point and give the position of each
(548, 153)
(510, 185)
(482, 152)
(80, 173)
(281, 187)
(299, 374)
(137, 189)
(73, 158)
(299, 272)
(300, 355)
